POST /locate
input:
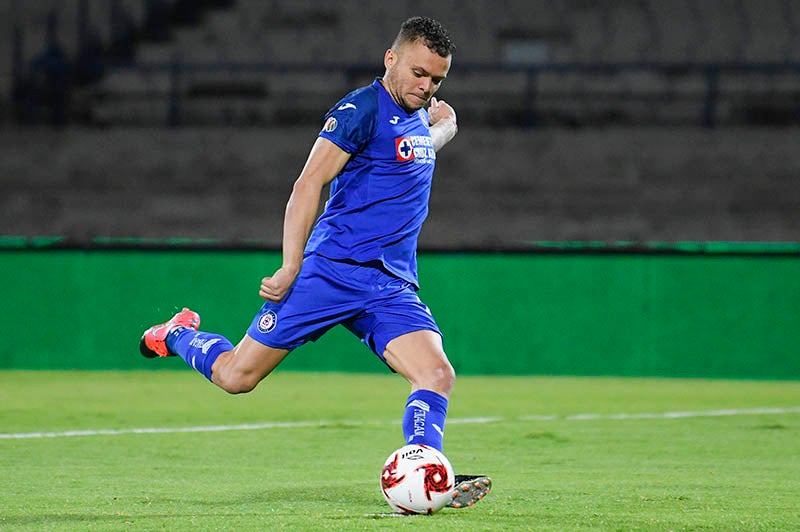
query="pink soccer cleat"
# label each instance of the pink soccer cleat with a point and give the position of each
(154, 343)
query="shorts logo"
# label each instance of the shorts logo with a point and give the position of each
(330, 125)
(267, 321)
(405, 150)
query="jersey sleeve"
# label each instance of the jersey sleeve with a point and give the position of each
(424, 116)
(350, 124)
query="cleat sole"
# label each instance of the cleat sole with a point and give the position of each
(469, 491)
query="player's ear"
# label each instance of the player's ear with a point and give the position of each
(389, 58)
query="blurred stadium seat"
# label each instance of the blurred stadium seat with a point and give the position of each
(581, 118)
(508, 39)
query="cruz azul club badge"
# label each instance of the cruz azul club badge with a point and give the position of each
(267, 321)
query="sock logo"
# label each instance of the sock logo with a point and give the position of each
(203, 344)
(197, 341)
(422, 405)
(421, 409)
(267, 321)
(208, 344)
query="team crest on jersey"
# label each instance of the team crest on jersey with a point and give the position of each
(267, 321)
(330, 124)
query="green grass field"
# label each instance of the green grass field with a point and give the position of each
(304, 452)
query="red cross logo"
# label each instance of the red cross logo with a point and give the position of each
(405, 150)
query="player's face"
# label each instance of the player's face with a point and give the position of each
(413, 74)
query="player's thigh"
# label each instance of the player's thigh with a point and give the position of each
(246, 365)
(419, 357)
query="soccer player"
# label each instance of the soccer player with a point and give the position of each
(357, 267)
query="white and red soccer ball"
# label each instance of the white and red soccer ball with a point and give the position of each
(417, 479)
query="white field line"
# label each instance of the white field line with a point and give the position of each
(451, 421)
(687, 414)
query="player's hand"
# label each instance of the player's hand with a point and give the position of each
(440, 110)
(276, 287)
(443, 123)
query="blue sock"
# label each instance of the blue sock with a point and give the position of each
(198, 349)
(423, 421)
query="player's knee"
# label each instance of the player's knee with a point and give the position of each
(442, 377)
(240, 387)
(237, 382)
(448, 375)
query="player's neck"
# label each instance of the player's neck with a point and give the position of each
(394, 97)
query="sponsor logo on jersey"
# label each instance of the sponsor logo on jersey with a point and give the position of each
(347, 105)
(267, 321)
(416, 147)
(405, 150)
(330, 124)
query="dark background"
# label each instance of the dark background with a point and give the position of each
(627, 120)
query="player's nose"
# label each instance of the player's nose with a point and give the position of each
(425, 85)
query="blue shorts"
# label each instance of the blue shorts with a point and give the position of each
(373, 304)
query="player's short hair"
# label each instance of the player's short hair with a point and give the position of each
(430, 31)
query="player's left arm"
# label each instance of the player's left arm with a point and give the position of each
(444, 124)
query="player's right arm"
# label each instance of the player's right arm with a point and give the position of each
(324, 163)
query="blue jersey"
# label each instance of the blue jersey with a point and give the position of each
(379, 200)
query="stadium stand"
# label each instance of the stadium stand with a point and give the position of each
(494, 188)
(581, 120)
(562, 62)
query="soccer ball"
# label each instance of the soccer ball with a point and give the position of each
(417, 479)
